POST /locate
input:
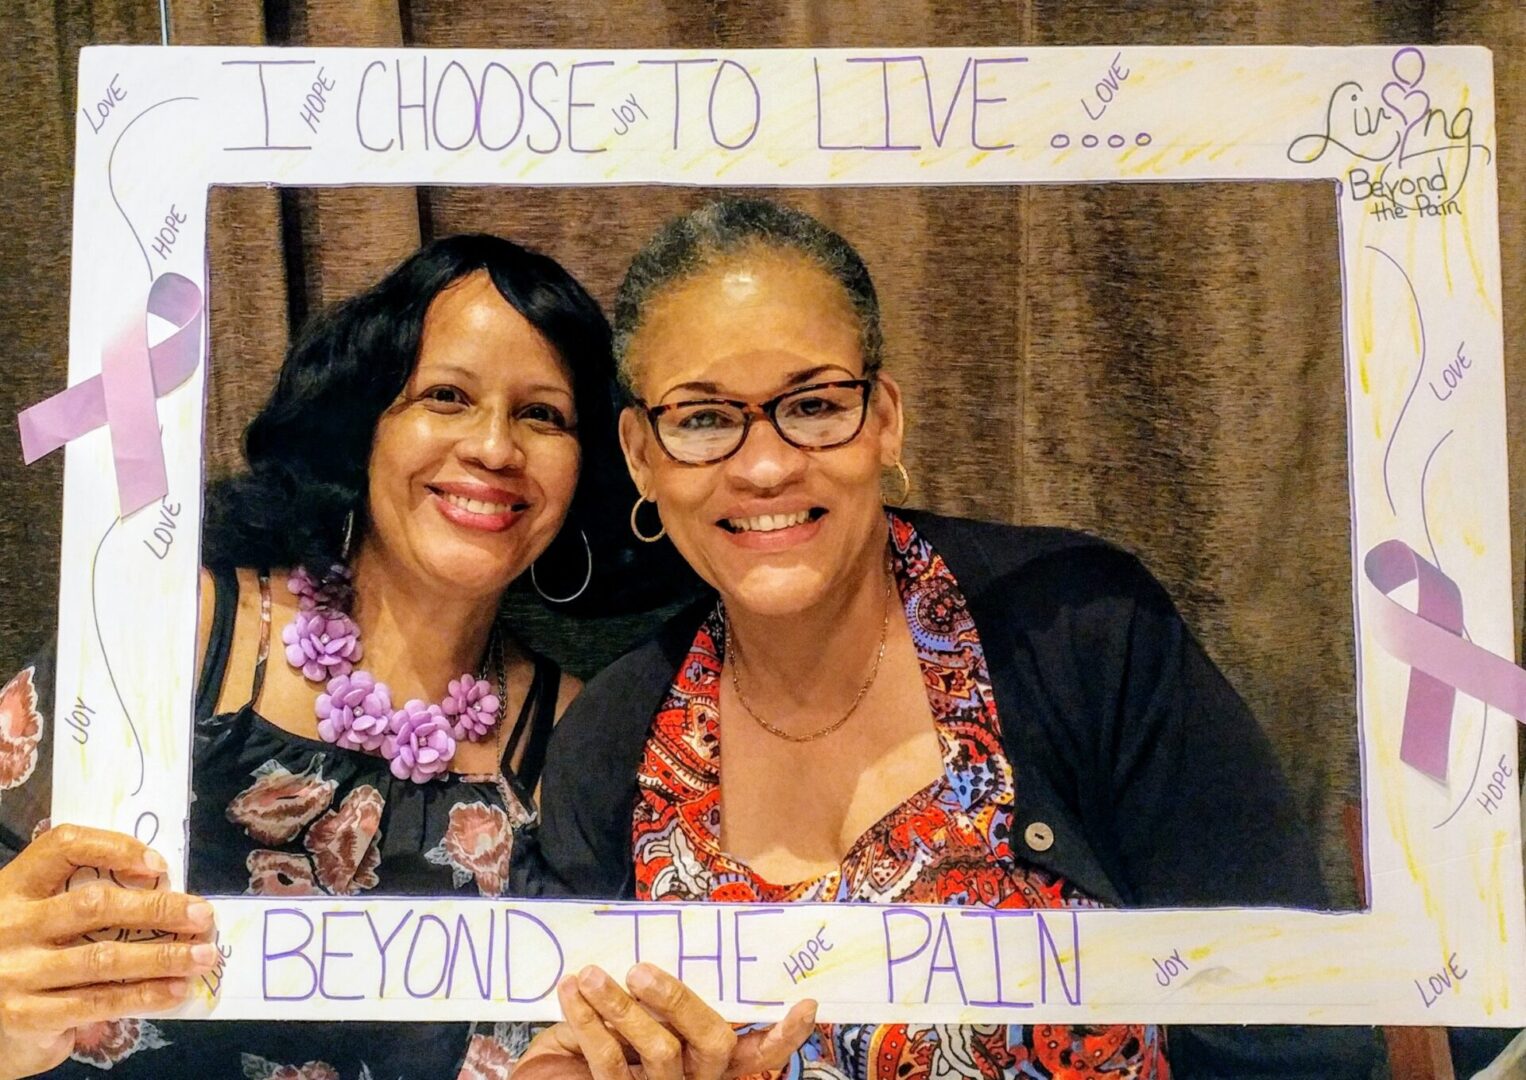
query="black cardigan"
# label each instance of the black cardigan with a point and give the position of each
(1155, 782)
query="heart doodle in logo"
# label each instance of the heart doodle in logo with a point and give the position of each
(1410, 105)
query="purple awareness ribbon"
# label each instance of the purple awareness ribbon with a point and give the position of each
(1442, 662)
(123, 396)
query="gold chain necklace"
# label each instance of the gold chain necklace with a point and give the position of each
(734, 646)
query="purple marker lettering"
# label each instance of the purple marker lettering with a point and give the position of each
(360, 100)
(952, 966)
(519, 109)
(573, 103)
(1000, 1001)
(977, 101)
(939, 132)
(382, 945)
(821, 143)
(792, 969)
(479, 969)
(324, 953)
(418, 932)
(508, 955)
(677, 99)
(891, 960)
(266, 956)
(259, 71)
(757, 106)
(259, 68)
(884, 62)
(685, 957)
(534, 71)
(316, 102)
(1059, 965)
(114, 95)
(737, 915)
(439, 95)
(635, 917)
(421, 105)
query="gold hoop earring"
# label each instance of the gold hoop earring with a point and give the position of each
(636, 527)
(905, 478)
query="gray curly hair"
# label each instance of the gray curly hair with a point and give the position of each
(705, 237)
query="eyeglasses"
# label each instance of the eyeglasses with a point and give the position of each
(815, 417)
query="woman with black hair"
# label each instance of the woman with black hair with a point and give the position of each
(422, 449)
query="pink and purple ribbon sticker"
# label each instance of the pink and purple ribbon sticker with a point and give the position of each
(123, 397)
(1441, 660)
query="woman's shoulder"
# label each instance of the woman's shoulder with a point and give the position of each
(589, 781)
(1034, 562)
(615, 707)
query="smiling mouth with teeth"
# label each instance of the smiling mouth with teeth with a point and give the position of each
(771, 522)
(477, 506)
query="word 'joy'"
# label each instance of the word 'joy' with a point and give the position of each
(1168, 969)
(625, 114)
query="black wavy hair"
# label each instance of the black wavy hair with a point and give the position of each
(309, 447)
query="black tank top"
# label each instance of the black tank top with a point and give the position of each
(277, 814)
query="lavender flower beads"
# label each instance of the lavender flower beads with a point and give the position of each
(355, 712)
(421, 744)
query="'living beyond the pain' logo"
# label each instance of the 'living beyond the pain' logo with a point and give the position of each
(1412, 158)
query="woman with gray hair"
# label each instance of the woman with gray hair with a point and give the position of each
(879, 705)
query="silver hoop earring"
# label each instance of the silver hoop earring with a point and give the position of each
(587, 577)
(349, 531)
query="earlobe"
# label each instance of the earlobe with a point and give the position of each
(633, 444)
(892, 418)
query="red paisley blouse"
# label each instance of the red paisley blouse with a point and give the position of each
(948, 844)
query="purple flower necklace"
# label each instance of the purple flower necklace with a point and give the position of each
(355, 712)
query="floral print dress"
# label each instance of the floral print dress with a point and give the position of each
(947, 844)
(275, 814)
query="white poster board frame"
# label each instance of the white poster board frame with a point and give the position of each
(1407, 137)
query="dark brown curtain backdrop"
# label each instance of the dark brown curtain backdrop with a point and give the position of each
(1160, 364)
